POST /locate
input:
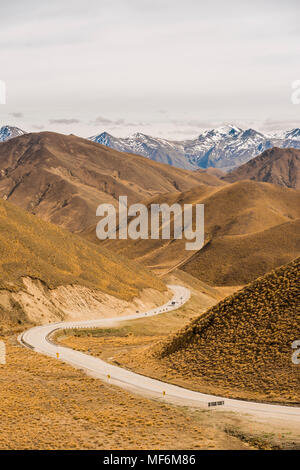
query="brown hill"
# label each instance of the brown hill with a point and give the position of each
(63, 178)
(276, 165)
(237, 260)
(212, 171)
(250, 228)
(50, 257)
(243, 345)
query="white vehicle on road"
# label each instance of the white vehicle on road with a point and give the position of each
(38, 339)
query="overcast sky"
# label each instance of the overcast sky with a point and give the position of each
(164, 67)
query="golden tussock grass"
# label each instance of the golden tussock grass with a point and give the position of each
(128, 345)
(240, 348)
(45, 404)
(242, 345)
(250, 228)
(35, 248)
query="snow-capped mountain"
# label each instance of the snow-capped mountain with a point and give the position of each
(225, 147)
(8, 132)
(293, 134)
(160, 150)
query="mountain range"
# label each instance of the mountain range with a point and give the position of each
(275, 165)
(63, 179)
(226, 147)
(9, 132)
(250, 227)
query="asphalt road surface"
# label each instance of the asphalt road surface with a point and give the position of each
(37, 339)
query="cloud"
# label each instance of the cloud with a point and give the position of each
(195, 123)
(17, 115)
(270, 125)
(115, 123)
(64, 121)
(200, 61)
(104, 121)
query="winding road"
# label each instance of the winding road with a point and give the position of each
(37, 339)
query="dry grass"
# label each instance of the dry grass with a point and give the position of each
(242, 346)
(230, 260)
(63, 178)
(45, 404)
(125, 350)
(38, 249)
(125, 344)
(275, 165)
(158, 326)
(250, 229)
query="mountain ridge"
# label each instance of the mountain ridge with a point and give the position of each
(225, 147)
(63, 179)
(276, 165)
(251, 226)
(241, 347)
(10, 132)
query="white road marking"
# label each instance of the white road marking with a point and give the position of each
(37, 338)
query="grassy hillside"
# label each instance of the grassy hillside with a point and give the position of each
(32, 247)
(276, 165)
(242, 346)
(250, 229)
(237, 260)
(63, 179)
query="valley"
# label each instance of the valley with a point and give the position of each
(149, 233)
(53, 269)
(62, 179)
(251, 226)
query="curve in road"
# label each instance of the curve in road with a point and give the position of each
(37, 339)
